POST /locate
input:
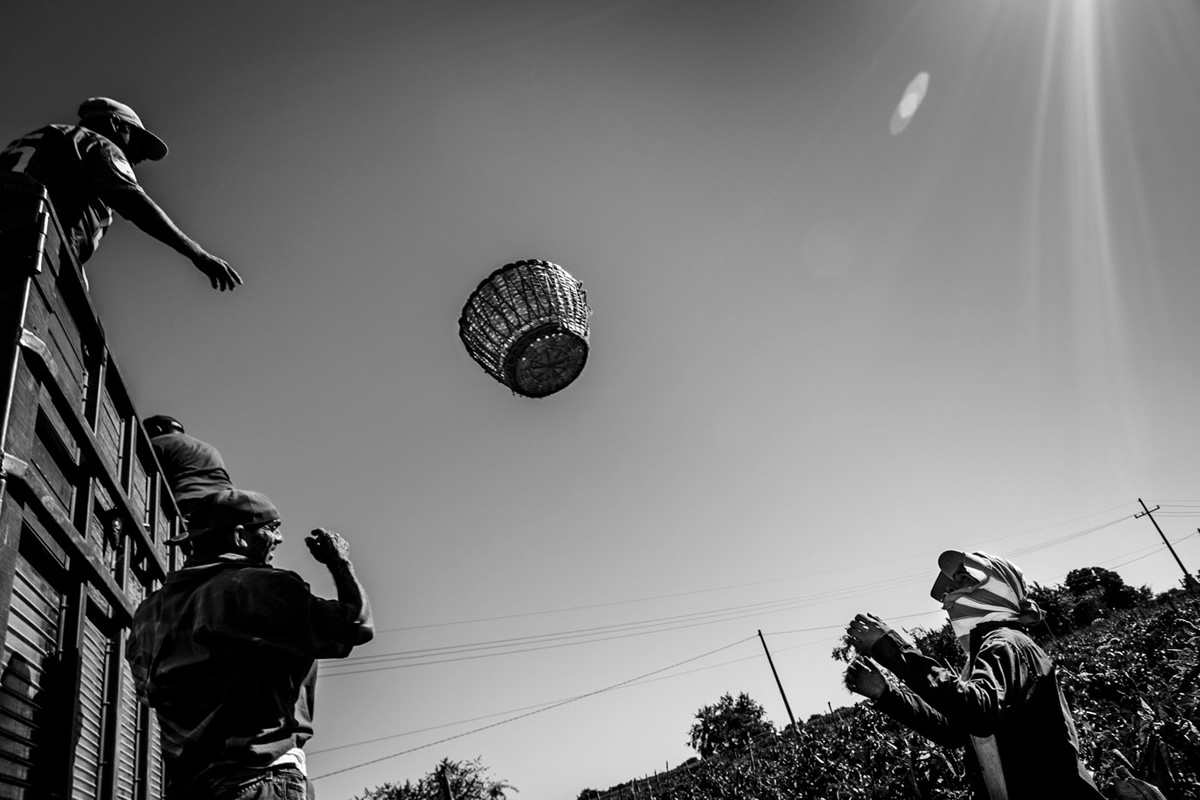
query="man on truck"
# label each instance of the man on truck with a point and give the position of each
(87, 168)
(226, 652)
(193, 469)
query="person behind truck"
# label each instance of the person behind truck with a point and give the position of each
(192, 468)
(226, 652)
(87, 168)
(1006, 708)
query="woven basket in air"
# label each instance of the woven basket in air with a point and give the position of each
(526, 324)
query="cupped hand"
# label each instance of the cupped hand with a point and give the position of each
(864, 677)
(220, 274)
(865, 630)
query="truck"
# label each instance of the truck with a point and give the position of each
(85, 515)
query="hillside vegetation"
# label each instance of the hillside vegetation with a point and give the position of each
(1130, 669)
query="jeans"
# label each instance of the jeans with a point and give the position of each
(278, 783)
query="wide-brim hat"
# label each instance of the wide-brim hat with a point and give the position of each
(226, 509)
(154, 147)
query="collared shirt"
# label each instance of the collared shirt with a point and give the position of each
(80, 169)
(226, 653)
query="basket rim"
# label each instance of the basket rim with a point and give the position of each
(509, 266)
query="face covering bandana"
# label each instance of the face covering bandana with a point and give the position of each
(991, 590)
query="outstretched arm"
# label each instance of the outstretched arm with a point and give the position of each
(899, 702)
(138, 208)
(332, 550)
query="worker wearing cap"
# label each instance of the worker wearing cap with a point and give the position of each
(192, 468)
(225, 652)
(87, 168)
(1006, 707)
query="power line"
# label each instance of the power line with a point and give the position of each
(1057, 524)
(711, 589)
(537, 711)
(357, 665)
(1033, 548)
(496, 643)
(645, 679)
(843, 624)
(523, 644)
(368, 668)
(1154, 549)
(637, 682)
(631, 601)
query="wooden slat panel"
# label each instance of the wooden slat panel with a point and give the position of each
(162, 526)
(60, 345)
(136, 590)
(109, 430)
(89, 747)
(22, 477)
(85, 436)
(156, 778)
(30, 650)
(139, 493)
(125, 782)
(52, 457)
(100, 538)
(50, 323)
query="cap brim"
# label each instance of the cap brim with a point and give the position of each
(154, 147)
(188, 535)
(948, 562)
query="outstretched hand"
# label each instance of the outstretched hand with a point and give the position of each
(220, 274)
(865, 630)
(327, 547)
(864, 677)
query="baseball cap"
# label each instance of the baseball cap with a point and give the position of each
(225, 509)
(155, 147)
(948, 563)
(160, 424)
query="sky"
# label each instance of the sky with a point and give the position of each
(821, 352)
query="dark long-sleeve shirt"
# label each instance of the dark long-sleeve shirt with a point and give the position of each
(1011, 692)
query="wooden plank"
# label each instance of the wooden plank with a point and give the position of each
(53, 457)
(91, 449)
(100, 536)
(50, 321)
(89, 756)
(19, 473)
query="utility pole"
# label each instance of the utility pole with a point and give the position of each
(1189, 581)
(777, 681)
(444, 791)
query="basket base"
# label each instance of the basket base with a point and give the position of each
(544, 361)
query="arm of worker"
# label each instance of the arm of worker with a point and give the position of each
(865, 677)
(974, 702)
(142, 211)
(332, 550)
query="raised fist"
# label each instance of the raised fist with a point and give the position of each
(328, 547)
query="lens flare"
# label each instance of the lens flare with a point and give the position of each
(914, 95)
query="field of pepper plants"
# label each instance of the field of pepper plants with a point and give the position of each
(1132, 679)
